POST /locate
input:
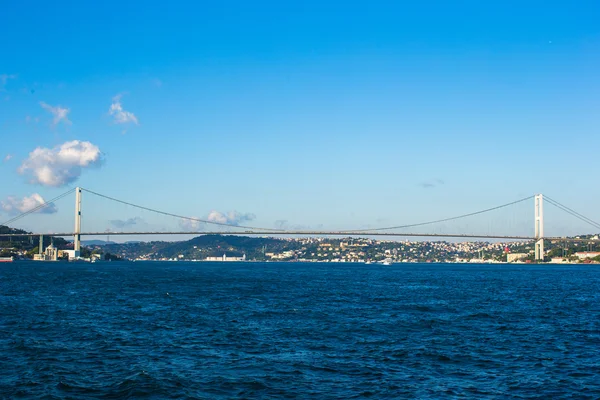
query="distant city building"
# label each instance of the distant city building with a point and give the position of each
(512, 257)
(71, 254)
(582, 255)
(282, 256)
(51, 253)
(225, 258)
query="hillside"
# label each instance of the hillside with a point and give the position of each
(10, 245)
(328, 249)
(201, 247)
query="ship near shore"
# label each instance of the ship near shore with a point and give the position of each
(6, 259)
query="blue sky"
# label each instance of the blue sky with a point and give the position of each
(323, 114)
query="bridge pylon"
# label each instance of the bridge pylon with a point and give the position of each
(77, 233)
(539, 227)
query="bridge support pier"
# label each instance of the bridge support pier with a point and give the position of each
(539, 227)
(41, 247)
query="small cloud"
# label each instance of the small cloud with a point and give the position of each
(231, 218)
(119, 223)
(59, 113)
(8, 157)
(62, 164)
(121, 116)
(191, 225)
(14, 206)
(4, 79)
(195, 224)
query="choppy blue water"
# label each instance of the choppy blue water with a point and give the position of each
(279, 330)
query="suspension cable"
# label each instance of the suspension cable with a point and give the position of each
(572, 212)
(181, 216)
(37, 208)
(445, 219)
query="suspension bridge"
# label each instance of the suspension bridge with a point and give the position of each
(537, 238)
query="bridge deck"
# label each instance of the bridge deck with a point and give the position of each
(307, 233)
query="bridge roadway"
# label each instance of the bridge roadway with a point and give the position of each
(308, 233)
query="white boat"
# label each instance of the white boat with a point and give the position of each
(6, 259)
(387, 261)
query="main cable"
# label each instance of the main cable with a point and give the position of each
(37, 208)
(572, 212)
(445, 219)
(556, 203)
(181, 216)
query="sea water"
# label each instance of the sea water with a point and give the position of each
(298, 330)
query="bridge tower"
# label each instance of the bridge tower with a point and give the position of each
(77, 236)
(539, 227)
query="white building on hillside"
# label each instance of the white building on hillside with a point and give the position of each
(225, 258)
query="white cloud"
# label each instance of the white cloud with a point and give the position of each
(231, 218)
(13, 205)
(195, 224)
(62, 164)
(8, 157)
(215, 216)
(59, 113)
(191, 225)
(121, 116)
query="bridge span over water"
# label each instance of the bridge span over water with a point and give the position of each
(305, 233)
(390, 231)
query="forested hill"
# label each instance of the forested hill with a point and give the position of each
(26, 242)
(331, 249)
(201, 247)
